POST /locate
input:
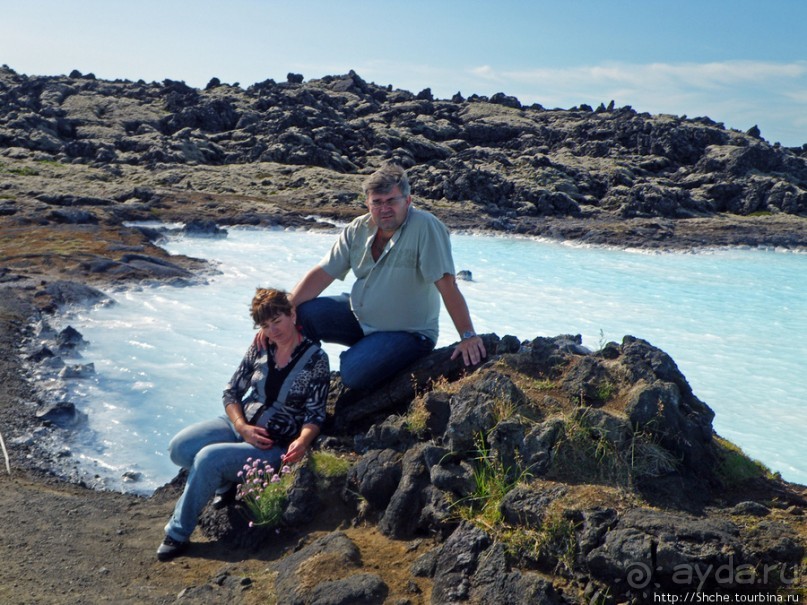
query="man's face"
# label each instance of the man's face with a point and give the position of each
(388, 209)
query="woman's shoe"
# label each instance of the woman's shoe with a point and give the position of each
(170, 548)
(224, 499)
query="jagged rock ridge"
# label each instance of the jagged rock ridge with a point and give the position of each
(512, 164)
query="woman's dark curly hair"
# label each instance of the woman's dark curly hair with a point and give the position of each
(268, 303)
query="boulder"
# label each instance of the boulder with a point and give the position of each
(496, 581)
(456, 563)
(351, 409)
(376, 476)
(303, 501)
(474, 408)
(661, 402)
(203, 228)
(320, 574)
(538, 444)
(70, 340)
(454, 477)
(527, 506)
(392, 433)
(403, 515)
(61, 293)
(61, 413)
(77, 371)
(679, 551)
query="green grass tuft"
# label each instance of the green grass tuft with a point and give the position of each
(584, 454)
(554, 541)
(417, 417)
(329, 466)
(492, 482)
(734, 466)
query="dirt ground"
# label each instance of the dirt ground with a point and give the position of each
(65, 544)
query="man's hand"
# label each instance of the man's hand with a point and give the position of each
(472, 350)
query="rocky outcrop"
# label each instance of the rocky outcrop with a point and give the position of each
(514, 166)
(540, 485)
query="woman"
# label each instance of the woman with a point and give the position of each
(274, 405)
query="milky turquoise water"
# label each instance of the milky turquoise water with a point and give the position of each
(735, 322)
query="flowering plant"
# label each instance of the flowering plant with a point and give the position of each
(263, 491)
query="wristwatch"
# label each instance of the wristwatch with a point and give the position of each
(468, 334)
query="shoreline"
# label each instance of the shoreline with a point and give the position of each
(76, 473)
(685, 246)
(659, 249)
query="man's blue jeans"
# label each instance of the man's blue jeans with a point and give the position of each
(369, 359)
(214, 453)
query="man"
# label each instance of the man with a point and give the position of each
(401, 257)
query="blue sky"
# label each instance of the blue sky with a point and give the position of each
(739, 62)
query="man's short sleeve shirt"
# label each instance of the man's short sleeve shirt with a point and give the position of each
(397, 292)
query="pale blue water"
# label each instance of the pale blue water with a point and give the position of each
(734, 321)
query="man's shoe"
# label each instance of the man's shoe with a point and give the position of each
(170, 548)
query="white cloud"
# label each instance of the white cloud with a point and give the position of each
(486, 72)
(702, 75)
(797, 96)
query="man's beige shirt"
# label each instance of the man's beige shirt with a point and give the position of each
(397, 292)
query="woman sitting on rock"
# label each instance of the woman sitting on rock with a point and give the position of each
(274, 404)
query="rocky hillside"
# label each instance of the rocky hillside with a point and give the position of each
(604, 175)
(550, 474)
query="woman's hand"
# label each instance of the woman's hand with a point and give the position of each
(296, 451)
(261, 342)
(255, 436)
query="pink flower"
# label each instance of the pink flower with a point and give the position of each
(251, 524)
(286, 469)
(240, 473)
(275, 478)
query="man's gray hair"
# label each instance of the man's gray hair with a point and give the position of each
(385, 178)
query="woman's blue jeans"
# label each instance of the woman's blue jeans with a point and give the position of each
(370, 359)
(213, 452)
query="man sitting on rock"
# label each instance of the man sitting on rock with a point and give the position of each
(402, 260)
